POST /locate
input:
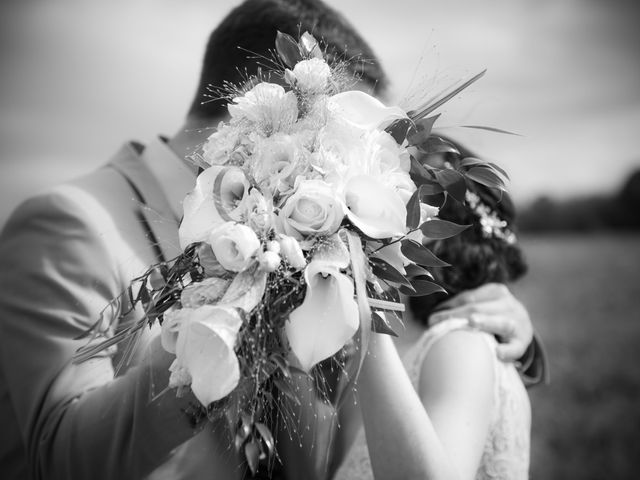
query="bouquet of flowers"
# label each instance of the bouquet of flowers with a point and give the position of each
(306, 221)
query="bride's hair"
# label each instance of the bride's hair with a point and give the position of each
(486, 252)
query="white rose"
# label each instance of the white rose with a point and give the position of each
(376, 210)
(312, 210)
(291, 252)
(312, 75)
(201, 211)
(234, 246)
(268, 106)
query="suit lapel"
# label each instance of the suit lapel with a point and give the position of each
(156, 213)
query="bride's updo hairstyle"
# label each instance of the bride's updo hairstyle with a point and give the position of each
(486, 252)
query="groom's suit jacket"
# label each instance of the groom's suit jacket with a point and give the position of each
(64, 255)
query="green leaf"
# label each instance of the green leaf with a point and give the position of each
(435, 144)
(252, 454)
(430, 188)
(470, 162)
(487, 177)
(309, 46)
(440, 99)
(499, 169)
(243, 431)
(399, 129)
(288, 49)
(156, 279)
(423, 130)
(267, 437)
(132, 300)
(491, 129)
(413, 210)
(144, 297)
(453, 182)
(422, 288)
(437, 229)
(417, 169)
(415, 271)
(425, 125)
(282, 364)
(385, 271)
(379, 324)
(420, 254)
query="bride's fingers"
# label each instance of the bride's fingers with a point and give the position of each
(500, 325)
(512, 351)
(513, 346)
(494, 307)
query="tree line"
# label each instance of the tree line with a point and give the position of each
(617, 212)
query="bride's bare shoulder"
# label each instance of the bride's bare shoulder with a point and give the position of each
(458, 361)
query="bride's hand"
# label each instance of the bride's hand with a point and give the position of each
(493, 309)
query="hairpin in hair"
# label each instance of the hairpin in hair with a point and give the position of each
(492, 225)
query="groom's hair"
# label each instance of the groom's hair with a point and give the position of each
(246, 38)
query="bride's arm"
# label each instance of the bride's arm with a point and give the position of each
(439, 432)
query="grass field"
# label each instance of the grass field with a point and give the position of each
(583, 293)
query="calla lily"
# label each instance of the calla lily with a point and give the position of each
(205, 350)
(363, 110)
(201, 214)
(376, 210)
(327, 318)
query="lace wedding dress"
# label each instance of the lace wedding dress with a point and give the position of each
(506, 450)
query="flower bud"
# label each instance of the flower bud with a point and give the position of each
(269, 261)
(291, 252)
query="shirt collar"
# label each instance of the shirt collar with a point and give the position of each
(173, 174)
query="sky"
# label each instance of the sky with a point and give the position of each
(79, 77)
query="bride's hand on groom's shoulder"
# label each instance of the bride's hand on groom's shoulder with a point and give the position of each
(493, 309)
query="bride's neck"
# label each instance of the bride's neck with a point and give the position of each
(408, 335)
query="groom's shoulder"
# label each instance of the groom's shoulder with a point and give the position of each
(107, 184)
(103, 193)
